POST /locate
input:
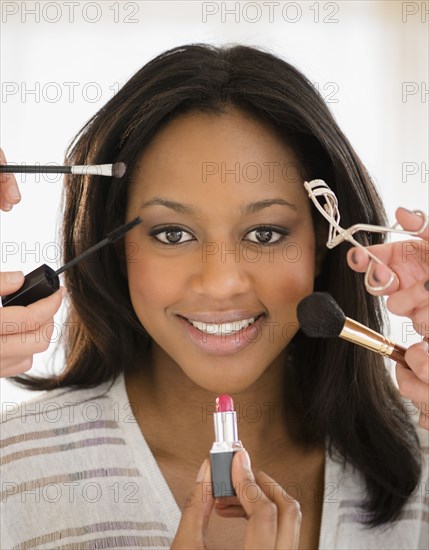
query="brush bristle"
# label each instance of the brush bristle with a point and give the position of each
(119, 169)
(320, 316)
(120, 231)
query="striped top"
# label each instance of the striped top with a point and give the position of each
(77, 473)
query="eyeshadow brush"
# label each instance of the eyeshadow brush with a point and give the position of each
(116, 170)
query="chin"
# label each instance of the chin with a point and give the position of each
(219, 383)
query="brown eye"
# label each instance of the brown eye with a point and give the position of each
(264, 235)
(173, 236)
(170, 235)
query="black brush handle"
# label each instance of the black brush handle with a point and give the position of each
(40, 283)
(34, 169)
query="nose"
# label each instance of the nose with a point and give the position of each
(222, 271)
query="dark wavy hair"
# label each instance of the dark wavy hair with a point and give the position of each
(343, 394)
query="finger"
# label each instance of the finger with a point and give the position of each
(10, 281)
(229, 507)
(231, 512)
(417, 357)
(225, 502)
(411, 221)
(358, 258)
(196, 512)
(9, 191)
(17, 346)
(381, 280)
(379, 275)
(262, 512)
(408, 259)
(288, 511)
(420, 321)
(17, 319)
(405, 301)
(411, 386)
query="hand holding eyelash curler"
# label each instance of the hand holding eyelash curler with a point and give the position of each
(318, 188)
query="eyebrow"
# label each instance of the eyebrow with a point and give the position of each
(249, 208)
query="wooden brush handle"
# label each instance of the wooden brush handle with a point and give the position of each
(398, 355)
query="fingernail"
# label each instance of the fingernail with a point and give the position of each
(374, 275)
(202, 471)
(354, 257)
(426, 285)
(245, 460)
(14, 277)
(413, 213)
(14, 193)
(7, 206)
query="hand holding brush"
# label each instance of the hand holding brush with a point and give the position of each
(408, 296)
(9, 192)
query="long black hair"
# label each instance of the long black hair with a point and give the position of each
(343, 393)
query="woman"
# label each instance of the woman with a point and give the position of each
(217, 143)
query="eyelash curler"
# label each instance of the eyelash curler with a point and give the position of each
(330, 211)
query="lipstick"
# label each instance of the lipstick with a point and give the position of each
(225, 445)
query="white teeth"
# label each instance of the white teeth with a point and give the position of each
(223, 328)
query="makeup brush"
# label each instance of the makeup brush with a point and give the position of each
(44, 280)
(116, 170)
(321, 317)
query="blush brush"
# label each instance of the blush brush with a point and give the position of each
(321, 317)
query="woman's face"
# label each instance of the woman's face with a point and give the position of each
(226, 238)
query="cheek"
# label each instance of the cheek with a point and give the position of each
(293, 270)
(153, 284)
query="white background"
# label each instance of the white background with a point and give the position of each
(61, 61)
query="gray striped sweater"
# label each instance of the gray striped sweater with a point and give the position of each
(76, 473)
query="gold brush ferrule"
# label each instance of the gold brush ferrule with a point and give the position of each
(366, 337)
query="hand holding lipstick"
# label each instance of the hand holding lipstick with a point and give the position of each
(273, 519)
(408, 296)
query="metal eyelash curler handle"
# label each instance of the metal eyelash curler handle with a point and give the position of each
(330, 211)
(397, 228)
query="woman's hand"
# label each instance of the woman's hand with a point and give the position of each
(9, 192)
(24, 331)
(273, 517)
(408, 295)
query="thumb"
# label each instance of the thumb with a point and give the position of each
(10, 281)
(196, 512)
(411, 221)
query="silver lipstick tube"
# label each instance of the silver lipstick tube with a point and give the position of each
(221, 454)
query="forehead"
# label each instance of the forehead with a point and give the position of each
(228, 156)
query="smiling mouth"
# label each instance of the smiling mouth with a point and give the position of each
(220, 329)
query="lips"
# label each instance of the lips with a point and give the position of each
(222, 317)
(223, 328)
(223, 343)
